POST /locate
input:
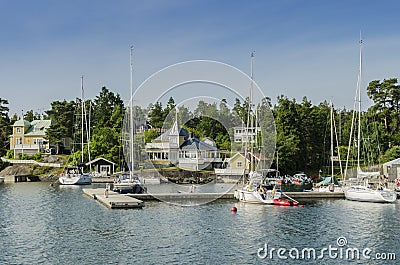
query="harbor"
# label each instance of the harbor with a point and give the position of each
(61, 221)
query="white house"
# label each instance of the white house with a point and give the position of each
(245, 134)
(177, 147)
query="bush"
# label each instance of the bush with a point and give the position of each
(10, 154)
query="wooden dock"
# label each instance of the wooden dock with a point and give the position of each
(181, 196)
(114, 200)
(230, 195)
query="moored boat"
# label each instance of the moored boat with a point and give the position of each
(366, 191)
(74, 176)
(129, 184)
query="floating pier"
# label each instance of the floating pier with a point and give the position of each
(230, 195)
(181, 196)
(113, 200)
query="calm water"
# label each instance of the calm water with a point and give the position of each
(59, 225)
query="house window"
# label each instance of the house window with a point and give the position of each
(18, 141)
(239, 164)
(105, 168)
(18, 130)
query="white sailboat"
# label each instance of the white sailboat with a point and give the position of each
(257, 189)
(73, 175)
(130, 183)
(366, 191)
(329, 184)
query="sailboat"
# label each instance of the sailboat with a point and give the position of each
(366, 191)
(257, 189)
(73, 175)
(129, 183)
(330, 184)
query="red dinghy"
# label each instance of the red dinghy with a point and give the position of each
(284, 202)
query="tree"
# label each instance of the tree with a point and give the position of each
(108, 110)
(5, 128)
(62, 116)
(156, 115)
(30, 116)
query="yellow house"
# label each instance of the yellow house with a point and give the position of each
(28, 137)
(236, 166)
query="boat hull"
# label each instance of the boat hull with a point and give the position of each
(364, 194)
(134, 188)
(284, 202)
(256, 196)
(75, 180)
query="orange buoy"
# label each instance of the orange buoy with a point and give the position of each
(233, 209)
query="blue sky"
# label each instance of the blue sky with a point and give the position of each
(303, 48)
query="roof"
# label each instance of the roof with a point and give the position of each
(173, 131)
(21, 122)
(195, 144)
(393, 162)
(98, 159)
(235, 155)
(38, 127)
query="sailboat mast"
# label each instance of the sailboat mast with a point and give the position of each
(131, 110)
(82, 118)
(332, 142)
(359, 106)
(250, 111)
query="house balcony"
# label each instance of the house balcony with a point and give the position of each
(29, 149)
(228, 171)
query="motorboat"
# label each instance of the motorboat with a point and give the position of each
(127, 183)
(74, 176)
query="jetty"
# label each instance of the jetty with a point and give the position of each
(230, 195)
(113, 200)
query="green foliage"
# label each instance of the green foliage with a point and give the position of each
(62, 117)
(36, 157)
(391, 154)
(5, 128)
(150, 135)
(10, 154)
(30, 116)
